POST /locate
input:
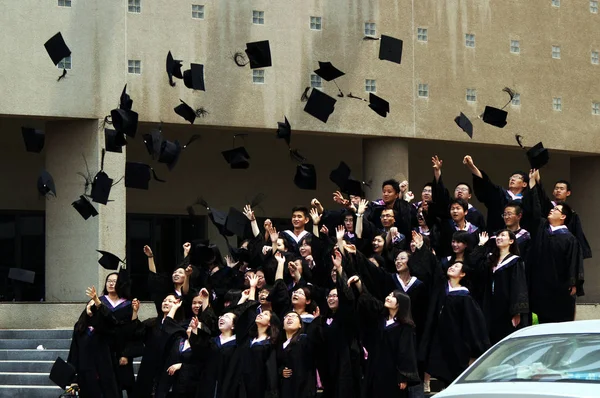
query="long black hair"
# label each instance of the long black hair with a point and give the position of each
(514, 248)
(272, 331)
(404, 314)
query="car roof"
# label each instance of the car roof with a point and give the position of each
(575, 327)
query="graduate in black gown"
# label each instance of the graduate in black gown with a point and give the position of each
(501, 271)
(389, 339)
(90, 352)
(556, 262)
(455, 333)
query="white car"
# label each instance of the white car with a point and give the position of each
(549, 360)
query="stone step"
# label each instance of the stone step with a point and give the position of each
(32, 344)
(38, 366)
(45, 355)
(36, 334)
(25, 379)
(16, 391)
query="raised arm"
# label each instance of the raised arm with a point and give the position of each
(150, 255)
(249, 213)
(362, 207)
(468, 161)
(316, 219)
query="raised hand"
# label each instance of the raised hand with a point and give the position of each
(266, 249)
(468, 161)
(403, 187)
(148, 251)
(350, 247)
(188, 271)
(336, 258)
(253, 280)
(418, 239)
(91, 293)
(409, 196)
(315, 202)
(316, 218)
(194, 323)
(135, 305)
(279, 257)
(339, 198)
(340, 231)
(249, 213)
(437, 162)
(230, 262)
(186, 248)
(273, 234)
(483, 238)
(362, 206)
(204, 293)
(324, 230)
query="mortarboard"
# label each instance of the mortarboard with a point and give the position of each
(173, 68)
(341, 176)
(21, 275)
(306, 176)
(236, 223)
(465, 124)
(114, 141)
(320, 105)
(125, 102)
(124, 121)
(34, 139)
(284, 130)
(62, 373)
(85, 207)
(109, 261)
(390, 49)
(379, 105)
(45, 184)
(153, 142)
(494, 116)
(259, 54)
(101, 187)
(219, 220)
(328, 72)
(186, 112)
(57, 48)
(138, 175)
(238, 158)
(194, 78)
(538, 156)
(169, 153)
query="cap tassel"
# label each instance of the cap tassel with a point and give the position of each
(102, 159)
(202, 112)
(240, 59)
(340, 94)
(193, 138)
(155, 176)
(304, 96)
(371, 38)
(511, 93)
(294, 154)
(64, 74)
(202, 202)
(519, 139)
(355, 97)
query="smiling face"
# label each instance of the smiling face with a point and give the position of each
(264, 319)
(280, 245)
(332, 300)
(457, 212)
(178, 275)
(299, 299)
(388, 194)
(401, 262)
(226, 322)
(262, 296)
(387, 218)
(561, 192)
(196, 305)
(292, 322)
(299, 220)
(511, 218)
(455, 271)
(378, 244)
(349, 223)
(305, 249)
(391, 302)
(503, 240)
(462, 192)
(458, 247)
(167, 303)
(426, 193)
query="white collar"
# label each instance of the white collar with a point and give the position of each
(455, 289)
(114, 303)
(293, 235)
(558, 227)
(286, 343)
(225, 340)
(502, 263)
(466, 228)
(257, 340)
(514, 196)
(408, 285)
(470, 206)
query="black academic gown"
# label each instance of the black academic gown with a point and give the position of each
(91, 356)
(455, 330)
(441, 194)
(505, 292)
(556, 265)
(391, 349)
(299, 356)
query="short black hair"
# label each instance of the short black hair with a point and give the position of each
(522, 174)
(464, 183)
(303, 209)
(567, 211)
(515, 205)
(461, 237)
(393, 183)
(460, 201)
(427, 184)
(567, 183)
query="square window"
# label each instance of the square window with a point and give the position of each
(555, 3)
(471, 95)
(594, 6)
(516, 101)
(134, 6)
(370, 29)
(315, 23)
(134, 66)
(421, 34)
(423, 90)
(595, 58)
(556, 52)
(316, 81)
(258, 76)
(557, 103)
(515, 47)
(65, 63)
(470, 40)
(595, 108)
(197, 11)
(258, 17)
(370, 86)
(64, 3)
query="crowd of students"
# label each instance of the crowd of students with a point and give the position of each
(380, 296)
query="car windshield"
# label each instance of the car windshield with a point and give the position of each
(566, 357)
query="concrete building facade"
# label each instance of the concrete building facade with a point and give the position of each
(457, 57)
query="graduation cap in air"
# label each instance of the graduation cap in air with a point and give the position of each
(284, 130)
(125, 102)
(329, 72)
(57, 48)
(45, 184)
(494, 116)
(390, 49)
(21, 275)
(62, 373)
(194, 77)
(379, 105)
(537, 155)
(238, 157)
(173, 69)
(203, 252)
(236, 223)
(114, 141)
(138, 175)
(101, 184)
(341, 177)
(124, 121)
(188, 113)
(465, 124)
(320, 105)
(109, 261)
(306, 176)
(259, 54)
(153, 142)
(84, 207)
(171, 150)
(34, 139)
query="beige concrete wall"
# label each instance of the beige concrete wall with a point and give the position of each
(103, 35)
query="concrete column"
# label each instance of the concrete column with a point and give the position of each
(585, 174)
(71, 241)
(384, 158)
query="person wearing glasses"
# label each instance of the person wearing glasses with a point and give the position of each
(556, 260)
